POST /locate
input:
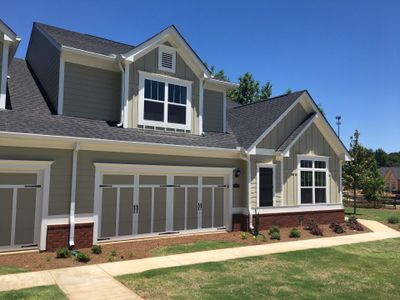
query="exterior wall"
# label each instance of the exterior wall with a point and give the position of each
(44, 58)
(86, 172)
(277, 135)
(60, 181)
(312, 142)
(213, 111)
(392, 184)
(92, 92)
(1, 62)
(149, 63)
(58, 236)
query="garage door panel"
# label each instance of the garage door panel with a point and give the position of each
(218, 207)
(25, 216)
(6, 198)
(144, 216)
(179, 209)
(213, 180)
(186, 180)
(108, 209)
(152, 179)
(17, 178)
(125, 211)
(118, 179)
(207, 208)
(192, 211)
(160, 209)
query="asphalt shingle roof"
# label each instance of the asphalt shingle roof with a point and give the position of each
(84, 41)
(248, 122)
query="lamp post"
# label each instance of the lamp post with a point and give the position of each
(338, 123)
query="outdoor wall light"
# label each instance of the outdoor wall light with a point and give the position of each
(237, 172)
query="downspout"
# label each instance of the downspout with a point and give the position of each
(249, 190)
(73, 196)
(122, 92)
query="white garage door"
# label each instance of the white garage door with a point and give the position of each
(138, 205)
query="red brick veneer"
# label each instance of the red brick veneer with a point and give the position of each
(290, 219)
(58, 236)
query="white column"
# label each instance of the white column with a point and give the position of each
(126, 96)
(4, 73)
(201, 106)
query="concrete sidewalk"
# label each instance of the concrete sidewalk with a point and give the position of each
(97, 282)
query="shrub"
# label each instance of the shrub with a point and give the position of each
(83, 257)
(274, 229)
(114, 253)
(110, 258)
(316, 231)
(353, 224)
(276, 235)
(311, 224)
(294, 233)
(352, 219)
(130, 255)
(63, 253)
(244, 235)
(393, 219)
(336, 227)
(96, 249)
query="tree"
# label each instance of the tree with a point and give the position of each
(355, 172)
(266, 91)
(289, 91)
(381, 157)
(248, 90)
(374, 183)
(218, 75)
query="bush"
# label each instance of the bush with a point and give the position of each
(311, 224)
(83, 257)
(130, 255)
(244, 235)
(294, 233)
(314, 229)
(96, 249)
(274, 229)
(114, 253)
(353, 224)
(276, 235)
(352, 219)
(336, 227)
(393, 219)
(63, 253)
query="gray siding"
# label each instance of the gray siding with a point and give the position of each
(149, 63)
(92, 93)
(60, 181)
(44, 59)
(277, 135)
(213, 119)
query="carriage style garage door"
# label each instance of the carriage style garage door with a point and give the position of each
(18, 210)
(150, 204)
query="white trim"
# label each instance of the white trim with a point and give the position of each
(282, 183)
(297, 209)
(270, 166)
(340, 182)
(263, 151)
(201, 105)
(4, 73)
(166, 80)
(73, 196)
(224, 114)
(60, 101)
(87, 53)
(168, 50)
(126, 112)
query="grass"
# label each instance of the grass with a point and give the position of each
(360, 271)
(37, 293)
(193, 247)
(379, 214)
(10, 270)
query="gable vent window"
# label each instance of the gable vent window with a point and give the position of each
(167, 59)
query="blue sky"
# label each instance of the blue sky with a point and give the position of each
(346, 53)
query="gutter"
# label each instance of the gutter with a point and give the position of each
(73, 196)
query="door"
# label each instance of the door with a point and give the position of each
(266, 186)
(18, 210)
(213, 202)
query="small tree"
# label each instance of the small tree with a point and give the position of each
(266, 91)
(374, 183)
(248, 90)
(218, 74)
(356, 171)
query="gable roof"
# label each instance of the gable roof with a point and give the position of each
(383, 170)
(82, 41)
(249, 122)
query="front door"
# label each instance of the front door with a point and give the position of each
(266, 186)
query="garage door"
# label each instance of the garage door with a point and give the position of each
(137, 205)
(18, 207)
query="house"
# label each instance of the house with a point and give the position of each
(103, 141)
(391, 175)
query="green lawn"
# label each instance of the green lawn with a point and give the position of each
(37, 293)
(380, 215)
(11, 269)
(360, 271)
(193, 247)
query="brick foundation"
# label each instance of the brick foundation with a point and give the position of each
(58, 236)
(291, 219)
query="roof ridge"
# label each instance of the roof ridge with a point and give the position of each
(86, 34)
(269, 99)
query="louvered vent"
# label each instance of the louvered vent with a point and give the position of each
(167, 60)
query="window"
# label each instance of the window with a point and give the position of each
(265, 185)
(164, 101)
(166, 59)
(313, 180)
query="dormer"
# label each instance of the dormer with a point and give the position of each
(9, 42)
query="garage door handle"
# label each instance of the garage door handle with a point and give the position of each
(33, 186)
(169, 185)
(223, 186)
(105, 185)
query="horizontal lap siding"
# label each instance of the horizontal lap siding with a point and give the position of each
(92, 93)
(213, 111)
(44, 58)
(149, 63)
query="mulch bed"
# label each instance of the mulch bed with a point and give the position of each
(142, 248)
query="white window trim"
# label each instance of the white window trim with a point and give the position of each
(169, 50)
(313, 169)
(167, 80)
(271, 166)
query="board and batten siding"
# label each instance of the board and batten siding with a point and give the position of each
(60, 180)
(86, 172)
(312, 142)
(92, 93)
(285, 127)
(44, 59)
(149, 63)
(213, 115)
